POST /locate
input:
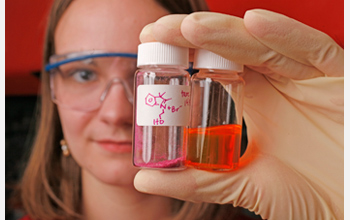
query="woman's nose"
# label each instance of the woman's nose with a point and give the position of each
(116, 107)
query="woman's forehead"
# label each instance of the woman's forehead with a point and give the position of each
(112, 25)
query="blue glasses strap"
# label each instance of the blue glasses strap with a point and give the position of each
(54, 65)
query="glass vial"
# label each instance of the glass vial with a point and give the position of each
(214, 134)
(161, 106)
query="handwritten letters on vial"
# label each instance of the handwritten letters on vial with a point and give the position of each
(163, 105)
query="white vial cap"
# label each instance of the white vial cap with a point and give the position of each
(205, 59)
(156, 53)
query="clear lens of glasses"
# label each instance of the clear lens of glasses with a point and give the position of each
(83, 84)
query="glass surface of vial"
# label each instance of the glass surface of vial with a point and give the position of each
(214, 134)
(161, 109)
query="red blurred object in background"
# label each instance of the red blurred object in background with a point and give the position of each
(25, 24)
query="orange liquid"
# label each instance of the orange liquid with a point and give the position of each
(214, 148)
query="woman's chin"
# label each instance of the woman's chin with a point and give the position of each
(118, 173)
(123, 177)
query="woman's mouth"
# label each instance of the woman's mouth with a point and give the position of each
(116, 146)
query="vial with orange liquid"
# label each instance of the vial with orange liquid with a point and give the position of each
(214, 134)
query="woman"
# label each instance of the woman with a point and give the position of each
(92, 178)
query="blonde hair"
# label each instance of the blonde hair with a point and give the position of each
(51, 186)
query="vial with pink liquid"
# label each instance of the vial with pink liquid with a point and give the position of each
(161, 106)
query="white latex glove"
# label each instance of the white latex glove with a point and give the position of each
(294, 108)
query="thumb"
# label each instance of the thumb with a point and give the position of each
(263, 184)
(203, 186)
(192, 184)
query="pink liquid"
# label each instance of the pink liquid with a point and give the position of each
(159, 147)
(164, 164)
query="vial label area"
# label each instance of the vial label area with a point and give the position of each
(214, 148)
(163, 105)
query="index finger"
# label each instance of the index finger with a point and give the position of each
(167, 29)
(296, 40)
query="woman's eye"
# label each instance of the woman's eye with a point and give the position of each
(83, 76)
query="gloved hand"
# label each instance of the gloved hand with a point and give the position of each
(294, 108)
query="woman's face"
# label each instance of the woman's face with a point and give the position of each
(100, 141)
